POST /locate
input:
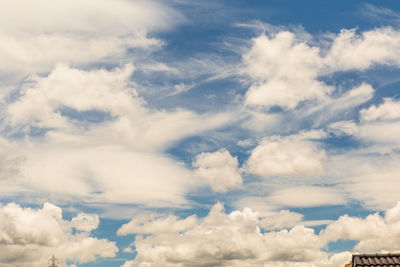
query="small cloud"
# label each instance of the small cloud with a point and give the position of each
(219, 169)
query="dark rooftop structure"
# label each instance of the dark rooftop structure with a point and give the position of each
(375, 260)
(53, 261)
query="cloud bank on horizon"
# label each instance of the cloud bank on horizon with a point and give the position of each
(171, 141)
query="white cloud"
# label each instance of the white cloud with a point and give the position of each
(284, 71)
(388, 110)
(42, 97)
(336, 108)
(360, 51)
(291, 155)
(222, 239)
(364, 175)
(306, 196)
(43, 33)
(85, 222)
(111, 173)
(381, 133)
(281, 219)
(271, 218)
(374, 232)
(237, 239)
(375, 186)
(219, 169)
(28, 237)
(112, 159)
(157, 224)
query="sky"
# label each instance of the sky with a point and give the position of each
(185, 133)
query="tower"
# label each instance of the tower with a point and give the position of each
(53, 261)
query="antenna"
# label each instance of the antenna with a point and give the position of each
(53, 261)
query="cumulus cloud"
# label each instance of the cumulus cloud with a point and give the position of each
(352, 50)
(291, 155)
(222, 239)
(388, 110)
(41, 34)
(373, 233)
(240, 239)
(85, 222)
(219, 169)
(284, 71)
(272, 217)
(30, 236)
(276, 219)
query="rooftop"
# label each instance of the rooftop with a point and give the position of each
(375, 260)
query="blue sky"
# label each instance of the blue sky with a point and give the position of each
(212, 133)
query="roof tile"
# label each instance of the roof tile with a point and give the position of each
(376, 260)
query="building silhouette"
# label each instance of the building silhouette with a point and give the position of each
(53, 261)
(375, 260)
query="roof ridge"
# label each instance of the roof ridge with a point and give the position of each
(377, 254)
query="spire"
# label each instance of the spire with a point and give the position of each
(53, 261)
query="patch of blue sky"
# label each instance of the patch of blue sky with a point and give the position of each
(342, 142)
(341, 245)
(86, 116)
(333, 212)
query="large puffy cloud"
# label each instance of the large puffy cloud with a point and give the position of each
(219, 169)
(238, 239)
(360, 51)
(28, 237)
(284, 71)
(291, 155)
(373, 233)
(222, 239)
(272, 217)
(36, 35)
(285, 68)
